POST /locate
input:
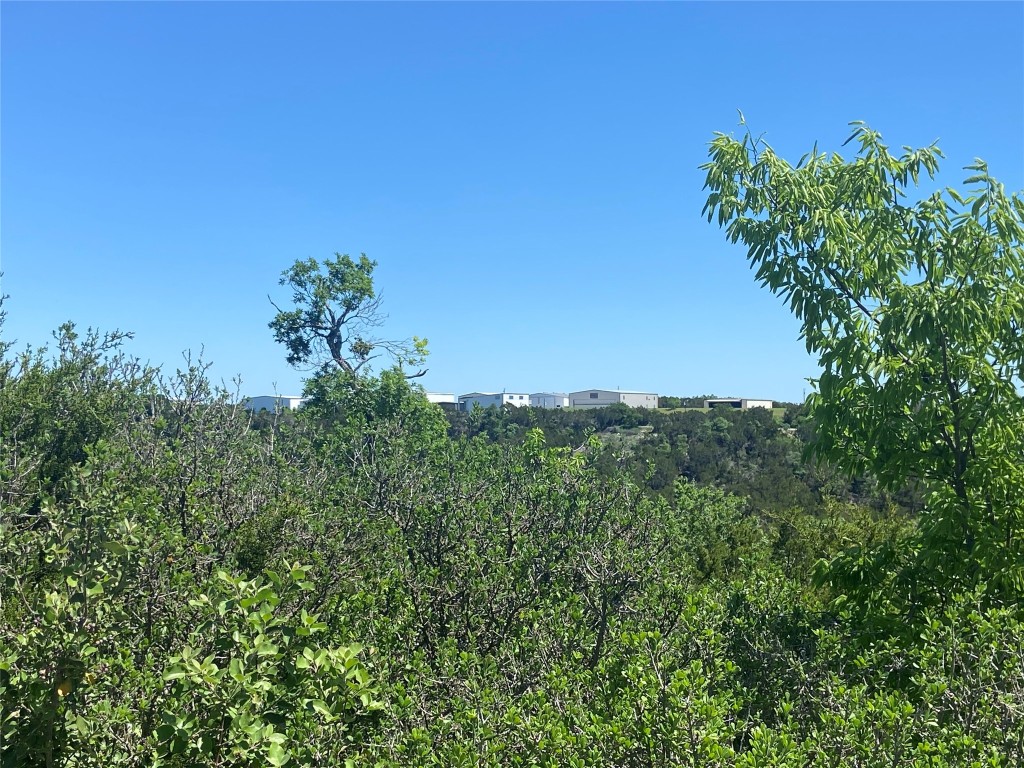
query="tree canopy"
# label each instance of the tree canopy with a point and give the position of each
(336, 317)
(914, 304)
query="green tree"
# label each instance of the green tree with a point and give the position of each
(914, 305)
(57, 402)
(336, 316)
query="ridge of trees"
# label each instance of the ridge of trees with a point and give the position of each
(744, 452)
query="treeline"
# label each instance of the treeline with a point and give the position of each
(670, 401)
(182, 585)
(748, 453)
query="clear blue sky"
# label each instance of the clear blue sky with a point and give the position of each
(525, 174)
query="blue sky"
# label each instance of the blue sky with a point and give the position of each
(526, 175)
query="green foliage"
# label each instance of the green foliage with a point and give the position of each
(55, 405)
(714, 532)
(122, 573)
(358, 403)
(914, 309)
(253, 684)
(747, 453)
(64, 577)
(98, 669)
(336, 316)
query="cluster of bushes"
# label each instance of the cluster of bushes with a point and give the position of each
(181, 584)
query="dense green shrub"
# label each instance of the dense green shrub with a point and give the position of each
(463, 600)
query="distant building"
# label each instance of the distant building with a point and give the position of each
(549, 400)
(441, 397)
(274, 403)
(600, 398)
(487, 399)
(737, 402)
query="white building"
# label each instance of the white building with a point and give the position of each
(737, 402)
(274, 403)
(549, 400)
(600, 398)
(487, 399)
(441, 397)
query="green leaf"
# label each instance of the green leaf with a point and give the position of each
(321, 707)
(277, 755)
(115, 547)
